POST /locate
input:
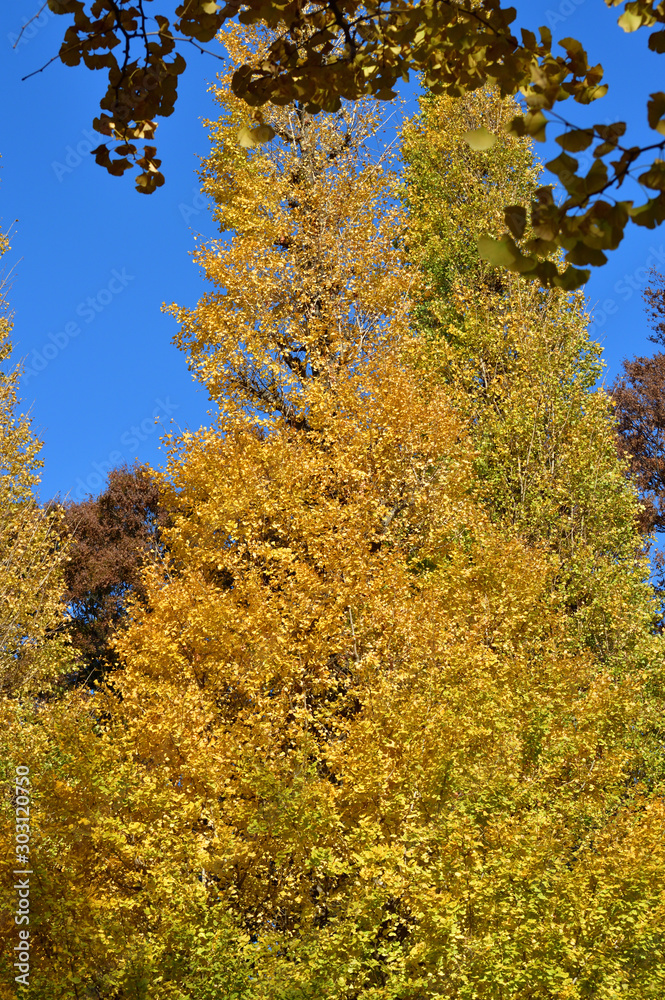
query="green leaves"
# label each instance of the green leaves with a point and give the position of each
(504, 253)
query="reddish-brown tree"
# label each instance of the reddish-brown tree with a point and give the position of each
(654, 297)
(110, 536)
(640, 402)
(639, 394)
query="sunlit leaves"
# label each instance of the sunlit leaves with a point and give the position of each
(629, 21)
(309, 289)
(509, 347)
(390, 650)
(32, 653)
(386, 724)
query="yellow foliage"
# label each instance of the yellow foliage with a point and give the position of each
(519, 364)
(30, 557)
(352, 751)
(311, 281)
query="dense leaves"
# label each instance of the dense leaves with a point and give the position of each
(640, 401)
(639, 395)
(654, 298)
(519, 363)
(311, 283)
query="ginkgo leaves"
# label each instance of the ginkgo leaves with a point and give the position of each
(356, 748)
(656, 112)
(249, 138)
(313, 277)
(502, 253)
(549, 226)
(546, 225)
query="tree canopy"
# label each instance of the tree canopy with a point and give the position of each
(108, 538)
(33, 649)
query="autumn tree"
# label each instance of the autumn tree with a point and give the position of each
(33, 652)
(638, 394)
(310, 283)
(352, 751)
(109, 537)
(654, 300)
(638, 397)
(519, 363)
(327, 296)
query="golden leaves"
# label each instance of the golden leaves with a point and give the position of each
(359, 743)
(313, 280)
(31, 561)
(325, 56)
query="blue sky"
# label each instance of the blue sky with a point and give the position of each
(93, 260)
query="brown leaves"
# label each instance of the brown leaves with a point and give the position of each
(109, 538)
(639, 394)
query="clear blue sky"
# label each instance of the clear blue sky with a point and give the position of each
(93, 260)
